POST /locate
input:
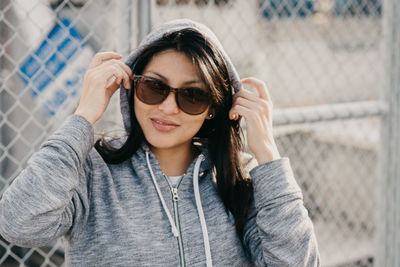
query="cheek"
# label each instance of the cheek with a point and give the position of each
(140, 108)
(194, 125)
(197, 121)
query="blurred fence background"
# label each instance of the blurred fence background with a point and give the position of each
(323, 60)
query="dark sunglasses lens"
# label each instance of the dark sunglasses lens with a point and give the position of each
(150, 91)
(192, 100)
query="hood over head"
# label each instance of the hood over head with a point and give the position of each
(158, 33)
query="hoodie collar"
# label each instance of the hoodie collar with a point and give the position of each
(205, 165)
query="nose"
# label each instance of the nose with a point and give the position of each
(169, 105)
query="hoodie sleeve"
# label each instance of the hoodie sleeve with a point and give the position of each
(278, 231)
(50, 194)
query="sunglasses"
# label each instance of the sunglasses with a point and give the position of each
(151, 91)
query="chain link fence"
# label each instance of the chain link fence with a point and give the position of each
(321, 59)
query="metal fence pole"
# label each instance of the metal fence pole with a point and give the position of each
(389, 219)
(123, 31)
(144, 17)
(124, 26)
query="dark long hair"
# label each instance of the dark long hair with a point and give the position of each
(221, 135)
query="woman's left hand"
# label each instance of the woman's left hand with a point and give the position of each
(257, 112)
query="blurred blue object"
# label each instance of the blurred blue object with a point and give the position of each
(287, 8)
(305, 8)
(60, 45)
(357, 7)
(50, 72)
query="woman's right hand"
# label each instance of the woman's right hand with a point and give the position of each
(97, 88)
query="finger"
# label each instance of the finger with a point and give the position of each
(126, 68)
(238, 110)
(103, 76)
(125, 76)
(245, 103)
(255, 103)
(259, 85)
(118, 72)
(121, 64)
(243, 93)
(100, 57)
(246, 94)
(127, 73)
(233, 113)
(114, 86)
(118, 80)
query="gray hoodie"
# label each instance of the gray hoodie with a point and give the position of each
(128, 215)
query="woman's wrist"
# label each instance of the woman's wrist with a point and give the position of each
(266, 154)
(85, 115)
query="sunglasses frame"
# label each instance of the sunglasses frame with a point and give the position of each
(137, 78)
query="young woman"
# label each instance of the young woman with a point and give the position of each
(178, 190)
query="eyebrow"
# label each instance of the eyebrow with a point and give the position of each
(166, 79)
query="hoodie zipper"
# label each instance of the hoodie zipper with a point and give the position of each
(175, 198)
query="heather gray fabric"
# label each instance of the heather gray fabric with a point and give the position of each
(111, 215)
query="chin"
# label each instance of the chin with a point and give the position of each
(162, 142)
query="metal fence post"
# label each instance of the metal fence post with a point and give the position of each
(388, 246)
(124, 26)
(125, 29)
(144, 17)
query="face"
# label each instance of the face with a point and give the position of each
(164, 125)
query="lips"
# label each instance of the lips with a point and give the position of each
(163, 125)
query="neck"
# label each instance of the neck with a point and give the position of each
(175, 161)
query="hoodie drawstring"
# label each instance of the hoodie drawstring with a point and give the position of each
(198, 205)
(171, 221)
(200, 210)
